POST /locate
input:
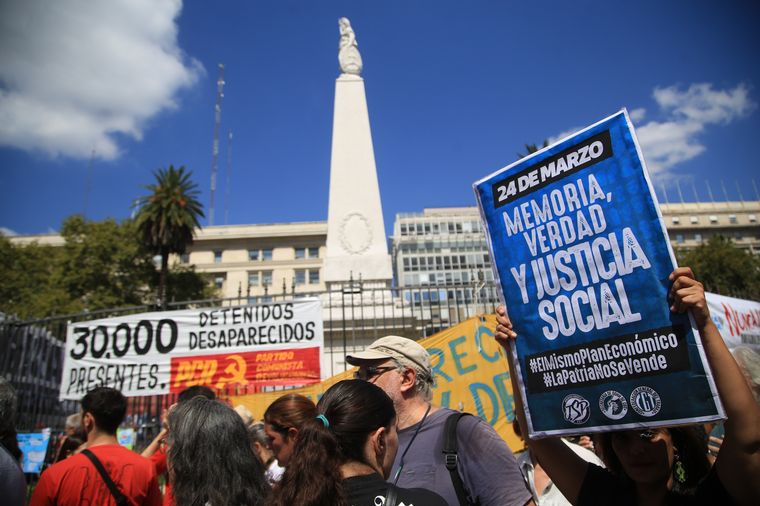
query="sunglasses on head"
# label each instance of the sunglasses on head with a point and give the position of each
(646, 435)
(370, 371)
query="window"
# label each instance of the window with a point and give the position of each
(679, 238)
(266, 253)
(676, 220)
(307, 275)
(219, 280)
(184, 258)
(253, 255)
(694, 220)
(266, 278)
(732, 219)
(254, 278)
(713, 218)
(403, 229)
(217, 256)
(698, 237)
(312, 252)
(752, 218)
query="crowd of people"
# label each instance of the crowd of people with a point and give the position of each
(378, 440)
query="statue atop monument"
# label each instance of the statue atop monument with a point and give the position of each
(348, 50)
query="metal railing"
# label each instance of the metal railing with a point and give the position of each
(32, 352)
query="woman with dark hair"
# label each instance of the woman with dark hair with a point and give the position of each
(282, 421)
(210, 460)
(663, 466)
(343, 456)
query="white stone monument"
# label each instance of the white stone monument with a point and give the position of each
(356, 244)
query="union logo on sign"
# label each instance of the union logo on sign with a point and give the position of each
(576, 409)
(645, 401)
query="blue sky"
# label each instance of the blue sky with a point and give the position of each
(455, 89)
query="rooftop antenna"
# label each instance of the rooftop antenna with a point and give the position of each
(680, 195)
(757, 195)
(229, 172)
(709, 192)
(215, 147)
(694, 190)
(88, 184)
(739, 190)
(725, 193)
(664, 192)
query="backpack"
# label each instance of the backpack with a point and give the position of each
(451, 458)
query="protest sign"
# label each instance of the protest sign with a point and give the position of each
(582, 257)
(126, 437)
(737, 319)
(157, 353)
(469, 373)
(33, 446)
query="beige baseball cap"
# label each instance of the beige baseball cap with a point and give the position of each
(393, 347)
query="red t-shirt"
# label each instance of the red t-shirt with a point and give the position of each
(75, 481)
(159, 461)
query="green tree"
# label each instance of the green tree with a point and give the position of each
(723, 268)
(27, 280)
(168, 217)
(104, 265)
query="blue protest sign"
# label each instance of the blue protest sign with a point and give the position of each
(582, 256)
(33, 446)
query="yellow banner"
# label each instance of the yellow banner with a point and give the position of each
(470, 370)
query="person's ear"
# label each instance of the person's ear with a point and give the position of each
(378, 438)
(88, 422)
(408, 379)
(292, 433)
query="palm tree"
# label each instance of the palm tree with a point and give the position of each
(532, 148)
(168, 217)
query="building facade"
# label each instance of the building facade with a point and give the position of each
(693, 223)
(255, 262)
(445, 246)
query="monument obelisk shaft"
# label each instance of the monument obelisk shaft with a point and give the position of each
(356, 244)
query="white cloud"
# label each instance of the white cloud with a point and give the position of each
(7, 232)
(74, 72)
(637, 114)
(687, 113)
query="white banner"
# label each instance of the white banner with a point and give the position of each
(737, 319)
(158, 353)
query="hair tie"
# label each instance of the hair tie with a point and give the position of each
(323, 418)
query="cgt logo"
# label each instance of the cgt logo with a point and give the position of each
(576, 409)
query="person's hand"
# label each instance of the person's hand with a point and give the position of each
(504, 332)
(686, 293)
(586, 442)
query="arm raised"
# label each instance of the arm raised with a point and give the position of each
(738, 462)
(565, 468)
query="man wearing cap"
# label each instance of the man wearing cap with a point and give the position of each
(485, 464)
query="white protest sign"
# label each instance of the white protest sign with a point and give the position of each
(162, 352)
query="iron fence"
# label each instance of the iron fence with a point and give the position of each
(32, 352)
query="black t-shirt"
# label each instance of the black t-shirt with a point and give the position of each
(601, 487)
(371, 489)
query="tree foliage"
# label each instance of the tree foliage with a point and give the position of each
(101, 265)
(168, 217)
(532, 148)
(723, 268)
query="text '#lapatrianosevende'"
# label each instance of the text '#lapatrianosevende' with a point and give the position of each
(647, 353)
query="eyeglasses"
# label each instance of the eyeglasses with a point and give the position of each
(371, 371)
